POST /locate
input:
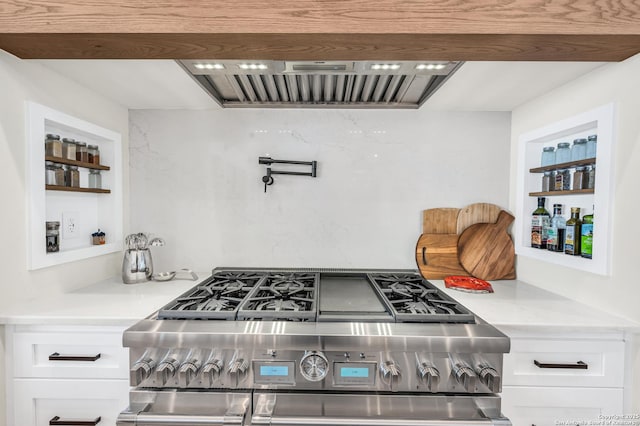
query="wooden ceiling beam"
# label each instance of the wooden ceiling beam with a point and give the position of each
(520, 30)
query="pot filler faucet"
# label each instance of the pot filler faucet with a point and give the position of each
(268, 178)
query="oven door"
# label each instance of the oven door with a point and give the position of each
(289, 409)
(180, 408)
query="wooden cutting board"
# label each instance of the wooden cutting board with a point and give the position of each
(486, 250)
(440, 221)
(476, 213)
(437, 256)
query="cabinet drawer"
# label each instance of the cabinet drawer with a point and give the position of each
(82, 354)
(603, 359)
(545, 406)
(36, 402)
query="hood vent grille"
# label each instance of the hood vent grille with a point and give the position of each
(316, 85)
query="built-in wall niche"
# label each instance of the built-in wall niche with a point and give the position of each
(89, 211)
(598, 121)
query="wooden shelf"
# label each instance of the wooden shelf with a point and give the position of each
(77, 163)
(74, 189)
(552, 193)
(568, 165)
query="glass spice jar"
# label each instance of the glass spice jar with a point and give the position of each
(563, 153)
(546, 182)
(72, 177)
(592, 146)
(548, 156)
(59, 174)
(69, 148)
(579, 178)
(563, 180)
(81, 152)
(93, 154)
(96, 155)
(49, 173)
(95, 179)
(591, 177)
(53, 237)
(53, 146)
(579, 150)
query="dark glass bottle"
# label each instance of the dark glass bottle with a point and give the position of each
(555, 234)
(540, 221)
(573, 235)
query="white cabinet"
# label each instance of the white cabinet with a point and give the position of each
(552, 378)
(599, 121)
(72, 373)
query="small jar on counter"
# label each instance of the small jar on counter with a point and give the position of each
(579, 178)
(72, 177)
(592, 146)
(68, 148)
(81, 152)
(53, 146)
(94, 154)
(548, 156)
(547, 182)
(563, 153)
(579, 150)
(53, 237)
(563, 180)
(95, 179)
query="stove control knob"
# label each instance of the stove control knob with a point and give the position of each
(237, 369)
(314, 366)
(166, 370)
(490, 377)
(465, 376)
(187, 372)
(390, 372)
(429, 376)
(211, 371)
(141, 370)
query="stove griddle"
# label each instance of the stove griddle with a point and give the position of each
(350, 298)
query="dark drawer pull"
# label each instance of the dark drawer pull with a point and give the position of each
(57, 357)
(577, 366)
(60, 422)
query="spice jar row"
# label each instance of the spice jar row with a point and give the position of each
(56, 174)
(564, 180)
(581, 150)
(71, 149)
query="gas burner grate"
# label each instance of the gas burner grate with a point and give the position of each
(282, 296)
(217, 298)
(412, 299)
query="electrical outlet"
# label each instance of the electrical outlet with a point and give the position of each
(69, 225)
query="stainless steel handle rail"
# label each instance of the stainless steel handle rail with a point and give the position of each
(60, 422)
(580, 365)
(360, 421)
(167, 419)
(57, 357)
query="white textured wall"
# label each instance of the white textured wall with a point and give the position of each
(22, 81)
(195, 180)
(620, 292)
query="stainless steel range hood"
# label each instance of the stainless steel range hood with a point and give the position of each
(320, 84)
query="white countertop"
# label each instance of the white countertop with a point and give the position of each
(107, 302)
(516, 304)
(111, 302)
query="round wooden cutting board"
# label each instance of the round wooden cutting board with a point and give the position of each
(486, 250)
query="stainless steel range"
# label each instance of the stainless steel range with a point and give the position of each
(314, 347)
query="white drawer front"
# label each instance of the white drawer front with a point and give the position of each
(31, 352)
(604, 359)
(526, 406)
(36, 402)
